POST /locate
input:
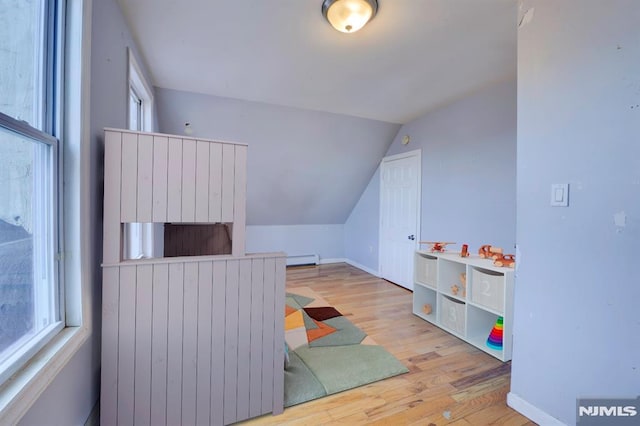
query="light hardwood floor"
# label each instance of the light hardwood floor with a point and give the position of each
(449, 381)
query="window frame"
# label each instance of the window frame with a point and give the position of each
(19, 393)
(44, 130)
(141, 89)
(28, 345)
(136, 100)
(139, 238)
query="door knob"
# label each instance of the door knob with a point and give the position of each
(411, 237)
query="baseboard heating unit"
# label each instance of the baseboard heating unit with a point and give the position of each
(303, 259)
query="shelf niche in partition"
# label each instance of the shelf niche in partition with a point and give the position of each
(157, 240)
(182, 239)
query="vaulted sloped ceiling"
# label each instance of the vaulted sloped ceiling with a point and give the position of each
(304, 167)
(413, 57)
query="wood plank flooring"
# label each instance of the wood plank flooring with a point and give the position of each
(449, 382)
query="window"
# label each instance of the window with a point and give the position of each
(135, 110)
(140, 238)
(31, 302)
(140, 98)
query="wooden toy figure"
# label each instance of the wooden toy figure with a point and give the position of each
(465, 251)
(489, 252)
(496, 252)
(485, 251)
(437, 246)
(507, 260)
(426, 308)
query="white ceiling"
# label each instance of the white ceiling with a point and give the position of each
(414, 56)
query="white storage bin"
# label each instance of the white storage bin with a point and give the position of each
(452, 314)
(487, 289)
(426, 270)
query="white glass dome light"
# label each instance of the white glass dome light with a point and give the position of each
(348, 16)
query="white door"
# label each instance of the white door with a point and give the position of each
(400, 178)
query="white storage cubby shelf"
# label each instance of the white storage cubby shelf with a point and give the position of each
(471, 313)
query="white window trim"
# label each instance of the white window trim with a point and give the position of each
(142, 89)
(140, 238)
(19, 393)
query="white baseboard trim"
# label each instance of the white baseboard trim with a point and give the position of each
(349, 262)
(364, 268)
(302, 259)
(530, 411)
(332, 260)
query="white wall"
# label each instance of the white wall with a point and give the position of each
(361, 228)
(323, 240)
(577, 322)
(468, 176)
(73, 393)
(69, 398)
(306, 169)
(468, 168)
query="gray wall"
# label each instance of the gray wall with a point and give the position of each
(361, 228)
(468, 176)
(323, 240)
(577, 322)
(72, 394)
(304, 167)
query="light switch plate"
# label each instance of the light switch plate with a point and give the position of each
(559, 194)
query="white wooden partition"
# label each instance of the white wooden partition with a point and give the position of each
(192, 341)
(186, 340)
(152, 177)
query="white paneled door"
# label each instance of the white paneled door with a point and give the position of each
(400, 177)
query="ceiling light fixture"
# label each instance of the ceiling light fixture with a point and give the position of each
(348, 16)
